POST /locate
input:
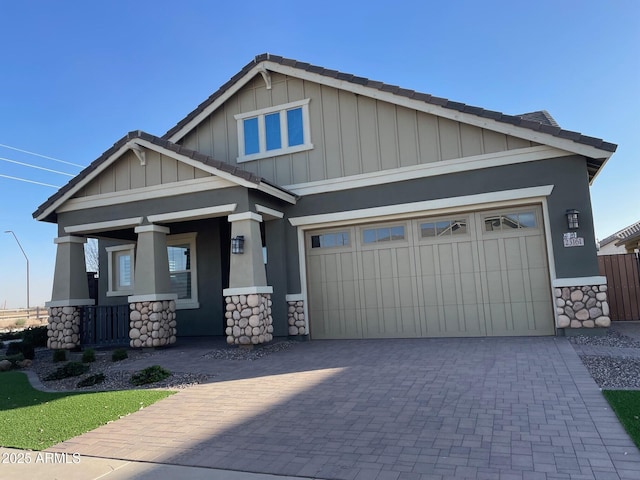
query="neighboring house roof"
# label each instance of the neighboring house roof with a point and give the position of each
(621, 235)
(630, 241)
(541, 116)
(540, 122)
(221, 168)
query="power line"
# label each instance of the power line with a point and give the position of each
(42, 156)
(36, 166)
(28, 181)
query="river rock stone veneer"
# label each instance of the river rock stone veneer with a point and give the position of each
(249, 319)
(295, 315)
(63, 330)
(582, 306)
(152, 324)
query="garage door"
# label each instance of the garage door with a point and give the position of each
(473, 274)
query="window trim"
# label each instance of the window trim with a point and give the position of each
(113, 270)
(284, 132)
(181, 239)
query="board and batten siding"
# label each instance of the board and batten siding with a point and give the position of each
(126, 173)
(351, 134)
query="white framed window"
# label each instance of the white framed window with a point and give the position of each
(121, 260)
(274, 131)
(183, 273)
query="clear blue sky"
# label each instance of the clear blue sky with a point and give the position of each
(75, 76)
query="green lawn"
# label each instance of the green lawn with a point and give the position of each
(36, 420)
(626, 404)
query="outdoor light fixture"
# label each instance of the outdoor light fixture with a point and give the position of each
(237, 244)
(572, 219)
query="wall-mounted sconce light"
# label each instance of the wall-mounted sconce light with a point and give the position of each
(572, 219)
(237, 244)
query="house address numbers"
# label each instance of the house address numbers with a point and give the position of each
(571, 239)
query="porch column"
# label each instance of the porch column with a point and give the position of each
(248, 298)
(70, 292)
(152, 306)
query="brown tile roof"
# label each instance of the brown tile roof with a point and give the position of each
(541, 121)
(179, 149)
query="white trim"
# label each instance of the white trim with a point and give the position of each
(152, 228)
(302, 262)
(104, 226)
(276, 192)
(268, 212)
(468, 118)
(236, 217)
(294, 297)
(580, 281)
(275, 153)
(190, 238)
(113, 270)
(246, 290)
(152, 297)
(432, 207)
(163, 190)
(476, 162)
(70, 303)
(193, 214)
(284, 132)
(69, 239)
(277, 108)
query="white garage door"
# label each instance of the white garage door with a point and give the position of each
(473, 274)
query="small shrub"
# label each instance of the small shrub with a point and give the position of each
(36, 336)
(59, 356)
(28, 350)
(71, 369)
(89, 355)
(23, 347)
(10, 336)
(91, 380)
(21, 322)
(14, 348)
(119, 354)
(14, 359)
(149, 375)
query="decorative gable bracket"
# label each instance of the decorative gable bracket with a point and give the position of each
(266, 76)
(139, 151)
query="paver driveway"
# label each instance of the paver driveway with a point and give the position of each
(507, 408)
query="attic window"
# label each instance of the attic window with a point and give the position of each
(274, 131)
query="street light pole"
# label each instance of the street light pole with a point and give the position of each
(27, 259)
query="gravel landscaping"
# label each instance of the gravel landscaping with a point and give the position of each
(118, 374)
(615, 362)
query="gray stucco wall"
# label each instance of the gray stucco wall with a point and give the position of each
(567, 174)
(210, 246)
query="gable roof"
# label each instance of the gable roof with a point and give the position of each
(622, 235)
(536, 126)
(236, 175)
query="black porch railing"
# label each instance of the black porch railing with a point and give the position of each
(104, 325)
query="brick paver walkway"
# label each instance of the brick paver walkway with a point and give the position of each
(495, 408)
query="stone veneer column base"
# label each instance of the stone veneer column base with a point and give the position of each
(249, 319)
(295, 316)
(582, 306)
(63, 330)
(152, 323)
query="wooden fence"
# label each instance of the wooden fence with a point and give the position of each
(34, 313)
(623, 281)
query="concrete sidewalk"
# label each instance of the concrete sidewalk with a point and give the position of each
(45, 466)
